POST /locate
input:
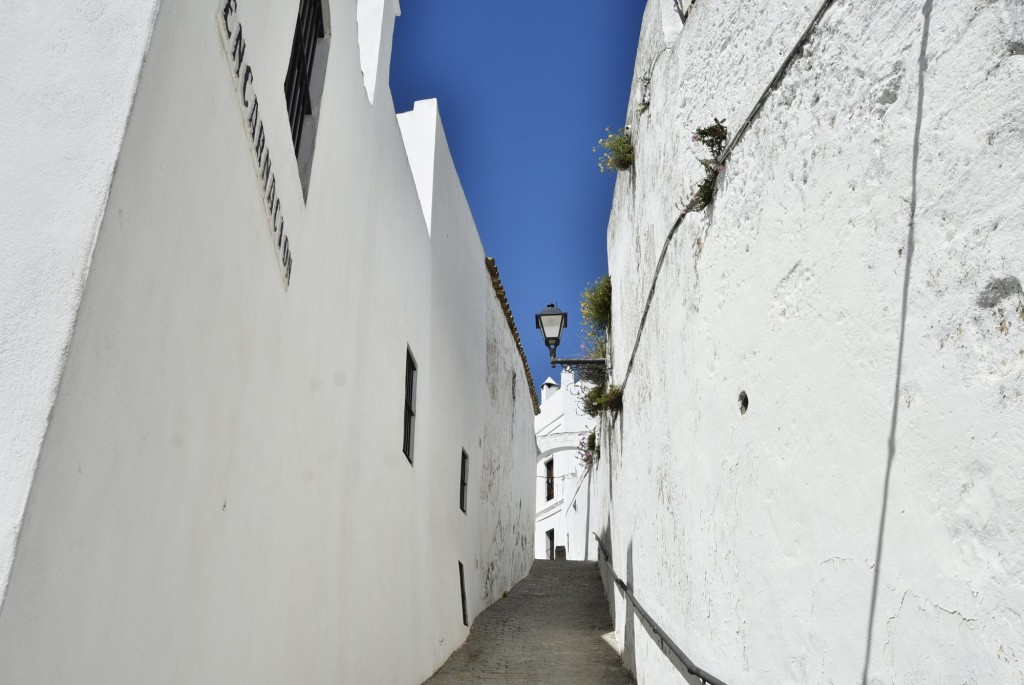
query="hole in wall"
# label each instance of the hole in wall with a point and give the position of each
(744, 402)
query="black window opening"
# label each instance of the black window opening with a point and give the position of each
(304, 82)
(549, 467)
(462, 588)
(410, 405)
(550, 544)
(464, 482)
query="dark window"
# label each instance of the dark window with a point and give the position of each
(303, 84)
(551, 544)
(549, 467)
(410, 404)
(462, 587)
(464, 483)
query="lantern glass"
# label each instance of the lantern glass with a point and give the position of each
(551, 321)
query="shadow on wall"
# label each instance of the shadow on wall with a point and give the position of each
(629, 630)
(922, 68)
(650, 629)
(586, 537)
(606, 430)
(635, 615)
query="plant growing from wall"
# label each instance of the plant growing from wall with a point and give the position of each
(617, 154)
(590, 449)
(600, 399)
(645, 95)
(596, 314)
(713, 138)
(596, 306)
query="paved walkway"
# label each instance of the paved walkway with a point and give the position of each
(552, 629)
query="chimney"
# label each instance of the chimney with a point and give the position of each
(547, 389)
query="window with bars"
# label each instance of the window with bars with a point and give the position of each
(464, 484)
(304, 82)
(410, 404)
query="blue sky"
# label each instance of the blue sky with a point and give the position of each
(525, 90)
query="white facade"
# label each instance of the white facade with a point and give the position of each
(560, 425)
(752, 538)
(53, 201)
(201, 454)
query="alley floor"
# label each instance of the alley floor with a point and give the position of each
(552, 628)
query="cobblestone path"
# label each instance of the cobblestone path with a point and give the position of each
(552, 629)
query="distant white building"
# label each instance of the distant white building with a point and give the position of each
(264, 416)
(560, 426)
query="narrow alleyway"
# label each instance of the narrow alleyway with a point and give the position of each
(554, 627)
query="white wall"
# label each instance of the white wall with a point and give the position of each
(376, 20)
(505, 522)
(752, 538)
(222, 494)
(68, 77)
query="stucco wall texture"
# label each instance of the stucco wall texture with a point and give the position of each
(69, 74)
(752, 538)
(221, 495)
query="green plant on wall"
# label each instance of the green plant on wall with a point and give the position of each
(596, 314)
(617, 152)
(600, 399)
(596, 307)
(713, 138)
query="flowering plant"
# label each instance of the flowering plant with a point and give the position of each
(590, 449)
(713, 138)
(618, 151)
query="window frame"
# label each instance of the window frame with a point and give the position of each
(409, 418)
(462, 588)
(549, 479)
(304, 81)
(464, 483)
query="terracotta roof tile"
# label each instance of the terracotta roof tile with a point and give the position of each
(499, 291)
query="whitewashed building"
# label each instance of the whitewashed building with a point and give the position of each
(816, 476)
(264, 417)
(562, 480)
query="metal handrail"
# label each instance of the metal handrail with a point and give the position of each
(678, 4)
(666, 641)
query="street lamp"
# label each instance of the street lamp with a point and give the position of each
(551, 321)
